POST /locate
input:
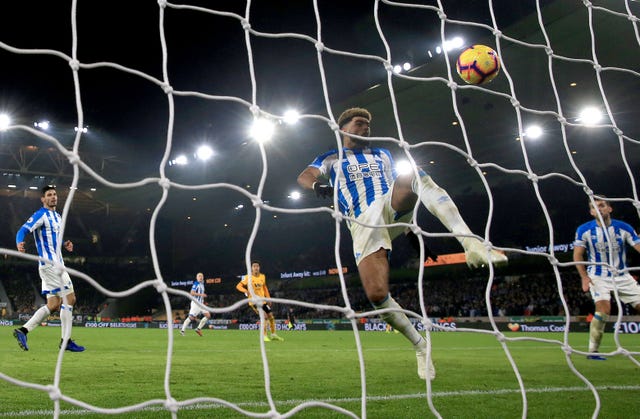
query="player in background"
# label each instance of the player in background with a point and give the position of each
(56, 284)
(371, 191)
(259, 286)
(291, 319)
(197, 290)
(599, 239)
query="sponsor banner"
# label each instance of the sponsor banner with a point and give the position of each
(448, 259)
(6, 322)
(563, 247)
(308, 274)
(535, 327)
(534, 319)
(114, 325)
(629, 327)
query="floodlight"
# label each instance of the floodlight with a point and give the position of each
(397, 68)
(590, 116)
(262, 130)
(43, 125)
(291, 116)
(84, 129)
(204, 152)
(406, 66)
(295, 195)
(404, 167)
(181, 160)
(5, 121)
(455, 43)
(533, 132)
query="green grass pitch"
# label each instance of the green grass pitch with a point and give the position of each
(124, 367)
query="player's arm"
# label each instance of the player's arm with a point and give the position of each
(242, 287)
(309, 179)
(578, 256)
(266, 292)
(20, 238)
(637, 247)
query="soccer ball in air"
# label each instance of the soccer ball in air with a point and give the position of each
(478, 64)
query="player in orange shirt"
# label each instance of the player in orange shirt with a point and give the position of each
(259, 286)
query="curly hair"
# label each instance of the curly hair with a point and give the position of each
(349, 114)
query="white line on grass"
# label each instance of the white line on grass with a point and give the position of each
(436, 394)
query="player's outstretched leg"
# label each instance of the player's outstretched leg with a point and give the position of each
(21, 337)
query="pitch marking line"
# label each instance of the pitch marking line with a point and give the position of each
(436, 394)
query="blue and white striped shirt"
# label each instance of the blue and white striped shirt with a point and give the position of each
(45, 226)
(198, 288)
(592, 237)
(366, 175)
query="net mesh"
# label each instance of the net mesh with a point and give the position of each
(539, 49)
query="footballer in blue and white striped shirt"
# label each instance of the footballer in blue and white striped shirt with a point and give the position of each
(605, 249)
(45, 224)
(197, 291)
(369, 190)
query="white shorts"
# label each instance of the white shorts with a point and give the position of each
(52, 284)
(367, 240)
(628, 289)
(195, 310)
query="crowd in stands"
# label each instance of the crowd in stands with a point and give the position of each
(515, 295)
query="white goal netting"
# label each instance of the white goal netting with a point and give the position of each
(156, 79)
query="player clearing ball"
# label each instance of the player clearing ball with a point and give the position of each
(370, 190)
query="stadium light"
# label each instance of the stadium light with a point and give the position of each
(84, 129)
(262, 130)
(43, 125)
(295, 195)
(455, 43)
(5, 121)
(291, 116)
(181, 160)
(204, 152)
(404, 167)
(533, 132)
(589, 116)
(397, 68)
(406, 66)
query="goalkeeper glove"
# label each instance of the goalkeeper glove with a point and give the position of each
(415, 243)
(323, 190)
(476, 254)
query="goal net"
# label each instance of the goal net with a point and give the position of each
(142, 87)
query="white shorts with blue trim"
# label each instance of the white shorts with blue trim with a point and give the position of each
(628, 288)
(367, 240)
(54, 284)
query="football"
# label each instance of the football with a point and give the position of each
(478, 64)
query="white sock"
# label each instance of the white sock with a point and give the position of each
(596, 330)
(37, 318)
(203, 321)
(66, 320)
(439, 203)
(186, 323)
(399, 321)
